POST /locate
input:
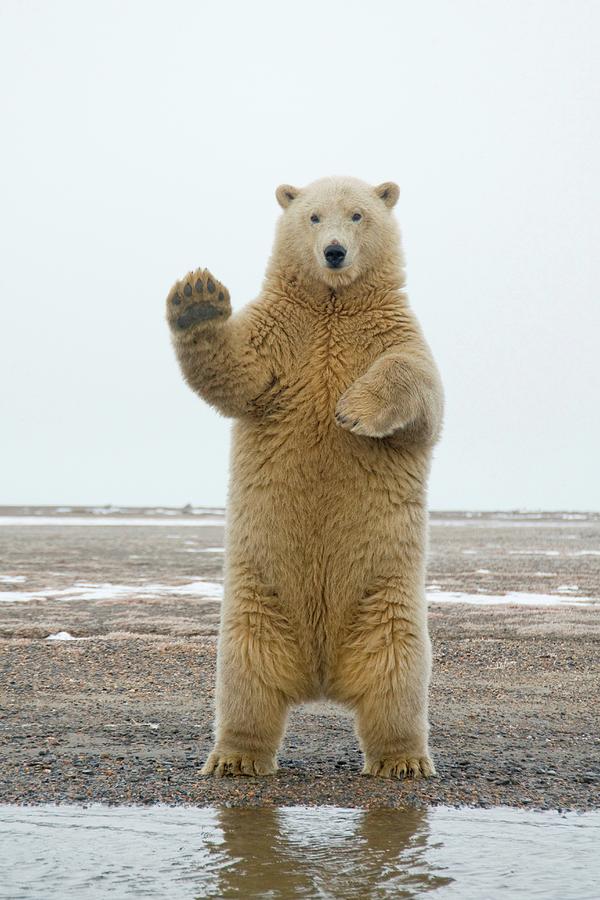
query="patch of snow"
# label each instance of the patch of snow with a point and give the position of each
(153, 725)
(12, 579)
(19, 596)
(507, 521)
(514, 598)
(61, 636)
(83, 590)
(533, 553)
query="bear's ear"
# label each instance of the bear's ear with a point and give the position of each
(285, 193)
(388, 192)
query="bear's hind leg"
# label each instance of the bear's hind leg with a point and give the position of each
(250, 724)
(258, 677)
(383, 674)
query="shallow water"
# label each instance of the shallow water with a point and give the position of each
(58, 853)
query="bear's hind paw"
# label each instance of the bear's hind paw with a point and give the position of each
(400, 766)
(221, 764)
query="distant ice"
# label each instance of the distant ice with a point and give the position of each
(12, 579)
(61, 636)
(83, 521)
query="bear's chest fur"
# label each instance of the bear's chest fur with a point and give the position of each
(317, 352)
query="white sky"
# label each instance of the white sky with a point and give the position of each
(144, 139)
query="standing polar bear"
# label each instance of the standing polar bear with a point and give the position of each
(338, 404)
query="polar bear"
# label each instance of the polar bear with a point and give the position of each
(337, 404)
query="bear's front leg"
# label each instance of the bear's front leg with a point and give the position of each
(216, 352)
(400, 394)
(362, 410)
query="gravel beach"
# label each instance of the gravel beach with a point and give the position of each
(122, 712)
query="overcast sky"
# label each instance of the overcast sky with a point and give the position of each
(144, 139)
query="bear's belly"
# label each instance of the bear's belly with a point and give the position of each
(318, 531)
(323, 515)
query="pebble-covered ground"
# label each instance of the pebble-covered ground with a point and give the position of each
(123, 713)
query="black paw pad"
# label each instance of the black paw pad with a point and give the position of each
(187, 290)
(210, 286)
(197, 312)
(176, 299)
(199, 286)
(221, 296)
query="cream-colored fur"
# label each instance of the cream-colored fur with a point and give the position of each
(337, 403)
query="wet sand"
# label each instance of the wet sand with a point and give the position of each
(123, 714)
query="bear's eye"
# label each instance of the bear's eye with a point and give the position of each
(314, 218)
(356, 217)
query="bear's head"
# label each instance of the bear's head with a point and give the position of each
(336, 230)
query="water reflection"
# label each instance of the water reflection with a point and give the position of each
(321, 853)
(79, 853)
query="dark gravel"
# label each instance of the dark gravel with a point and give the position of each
(124, 716)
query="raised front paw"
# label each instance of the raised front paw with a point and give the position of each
(361, 411)
(197, 298)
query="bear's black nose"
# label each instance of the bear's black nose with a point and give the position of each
(334, 254)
